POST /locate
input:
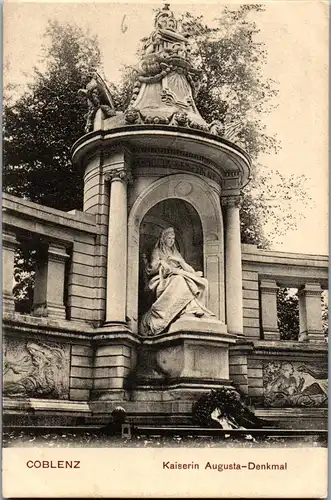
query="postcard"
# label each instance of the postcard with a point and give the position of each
(165, 256)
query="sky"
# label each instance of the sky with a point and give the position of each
(296, 38)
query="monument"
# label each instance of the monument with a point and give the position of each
(147, 299)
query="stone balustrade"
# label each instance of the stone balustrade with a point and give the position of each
(66, 284)
(64, 270)
(263, 273)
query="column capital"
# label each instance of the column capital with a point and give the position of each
(232, 201)
(268, 285)
(310, 290)
(119, 174)
(57, 252)
(9, 239)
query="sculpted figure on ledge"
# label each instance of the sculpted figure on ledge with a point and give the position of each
(179, 289)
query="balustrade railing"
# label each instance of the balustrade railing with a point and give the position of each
(62, 240)
(264, 272)
(65, 277)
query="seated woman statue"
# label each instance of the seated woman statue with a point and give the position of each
(179, 288)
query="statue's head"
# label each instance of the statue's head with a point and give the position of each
(95, 97)
(167, 237)
(181, 118)
(131, 116)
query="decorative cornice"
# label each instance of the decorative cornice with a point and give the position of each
(177, 164)
(309, 293)
(146, 150)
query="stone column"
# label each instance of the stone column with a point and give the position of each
(310, 313)
(268, 289)
(48, 298)
(233, 268)
(117, 245)
(9, 244)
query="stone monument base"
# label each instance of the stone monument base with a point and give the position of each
(191, 352)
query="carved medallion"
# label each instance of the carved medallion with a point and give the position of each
(183, 188)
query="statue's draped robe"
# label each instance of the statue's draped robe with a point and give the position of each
(180, 291)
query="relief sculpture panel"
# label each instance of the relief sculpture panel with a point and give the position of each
(36, 369)
(294, 384)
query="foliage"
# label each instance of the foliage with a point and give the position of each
(46, 438)
(234, 89)
(325, 312)
(231, 61)
(24, 266)
(40, 127)
(268, 211)
(288, 314)
(43, 123)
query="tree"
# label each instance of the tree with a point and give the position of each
(325, 312)
(40, 128)
(233, 86)
(235, 89)
(43, 123)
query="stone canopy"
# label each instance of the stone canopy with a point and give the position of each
(166, 79)
(166, 82)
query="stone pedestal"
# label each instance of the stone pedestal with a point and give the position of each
(310, 313)
(233, 268)
(9, 244)
(114, 359)
(268, 289)
(48, 299)
(183, 359)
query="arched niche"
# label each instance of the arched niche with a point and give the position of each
(183, 217)
(204, 202)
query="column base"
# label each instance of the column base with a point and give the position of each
(49, 310)
(8, 303)
(114, 359)
(312, 336)
(118, 326)
(271, 334)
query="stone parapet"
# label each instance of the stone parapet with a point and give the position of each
(264, 272)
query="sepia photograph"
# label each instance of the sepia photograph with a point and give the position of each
(165, 249)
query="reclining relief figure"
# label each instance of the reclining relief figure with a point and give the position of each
(178, 287)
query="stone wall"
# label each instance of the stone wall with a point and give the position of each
(62, 361)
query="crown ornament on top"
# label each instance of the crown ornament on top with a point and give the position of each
(165, 50)
(165, 19)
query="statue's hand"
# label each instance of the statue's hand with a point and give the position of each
(199, 273)
(165, 266)
(175, 259)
